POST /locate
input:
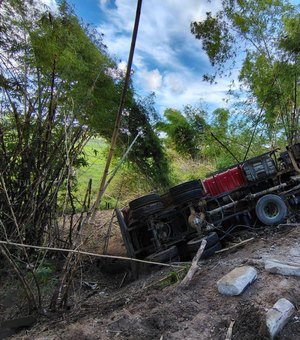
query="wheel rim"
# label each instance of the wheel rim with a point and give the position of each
(271, 209)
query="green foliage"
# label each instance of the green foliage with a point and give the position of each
(171, 279)
(59, 88)
(43, 273)
(62, 44)
(291, 40)
(215, 37)
(266, 33)
(54, 77)
(184, 130)
(184, 169)
(234, 132)
(147, 155)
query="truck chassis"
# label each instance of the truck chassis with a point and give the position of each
(264, 190)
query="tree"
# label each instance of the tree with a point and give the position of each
(58, 88)
(54, 81)
(290, 43)
(227, 139)
(184, 130)
(148, 155)
(254, 29)
(219, 127)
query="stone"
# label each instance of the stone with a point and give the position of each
(236, 281)
(277, 267)
(278, 316)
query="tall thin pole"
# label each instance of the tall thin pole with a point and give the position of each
(121, 161)
(120, 110)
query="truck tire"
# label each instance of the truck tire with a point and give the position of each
(208, 252)
(188, 196)
(144, 200)
(147, 210)
(164, 256)
(194, 244)
(186, 186)
(271, 209)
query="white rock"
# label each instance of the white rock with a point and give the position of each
(278, 316)
(276, 267)
(295, 251)
(236, 281)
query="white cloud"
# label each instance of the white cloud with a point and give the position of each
(122, 66)
(195, 93)
(168, 59)
(103, 2)
(175, 83)
(50, 3)
(152, 79)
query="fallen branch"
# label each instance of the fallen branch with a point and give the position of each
(194, 267)
(88, 253)
(229, 332)
(235, 245)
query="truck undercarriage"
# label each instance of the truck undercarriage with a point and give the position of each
(264, 190)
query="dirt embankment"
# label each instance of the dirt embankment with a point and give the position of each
(152, 308)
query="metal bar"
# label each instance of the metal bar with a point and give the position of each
(247, 198)
(277, 187)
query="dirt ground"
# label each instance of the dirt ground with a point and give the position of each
(155, 307)
(104, 233)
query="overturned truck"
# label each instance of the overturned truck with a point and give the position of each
(264, 190)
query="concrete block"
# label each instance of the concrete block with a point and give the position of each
(278, 316)
(277, 267)
(236, 281)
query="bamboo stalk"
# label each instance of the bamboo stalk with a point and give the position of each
(88, 253)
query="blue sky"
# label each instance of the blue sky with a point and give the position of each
(168, 59)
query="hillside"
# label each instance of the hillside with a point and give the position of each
(154, 308)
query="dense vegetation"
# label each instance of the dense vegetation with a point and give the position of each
(58, 89)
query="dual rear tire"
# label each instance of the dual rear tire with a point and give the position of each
(187, 192)
(164, 256)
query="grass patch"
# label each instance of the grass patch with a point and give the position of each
(95, 154)
(128, 183)
(184, 169)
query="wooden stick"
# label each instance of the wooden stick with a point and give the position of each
(235, 245)
(229, 332)
(124, 277)
(194, 267)
(88, 253)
